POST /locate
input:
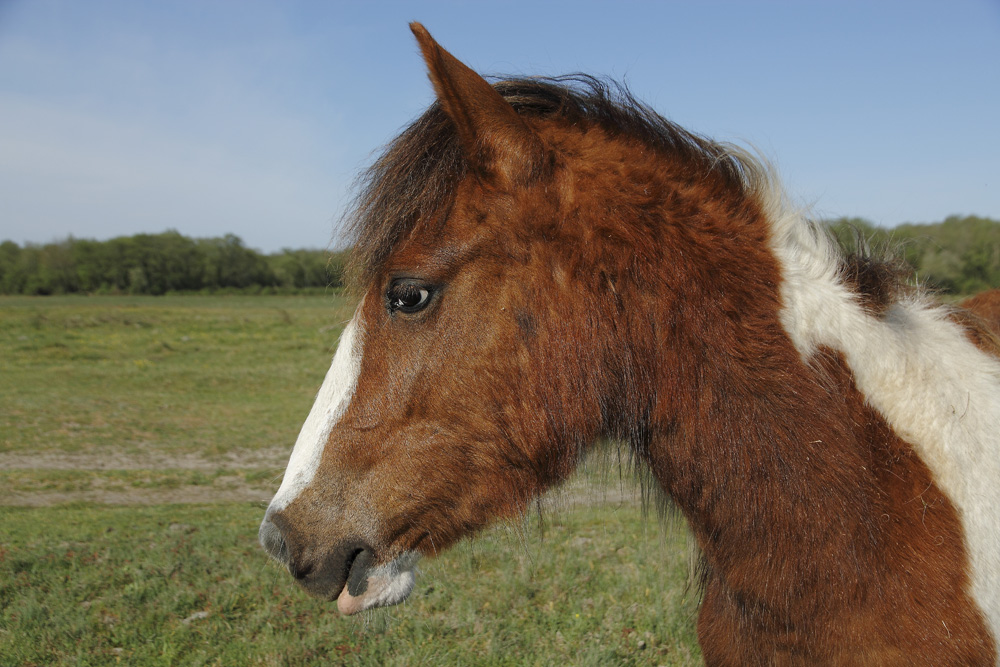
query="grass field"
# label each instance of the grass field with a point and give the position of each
(140, 439)
(126, 376)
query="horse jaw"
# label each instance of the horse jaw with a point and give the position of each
(380, 586)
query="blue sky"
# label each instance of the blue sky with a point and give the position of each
(252, 117)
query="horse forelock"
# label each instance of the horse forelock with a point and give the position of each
(413, 179)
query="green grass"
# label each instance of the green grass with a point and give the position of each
(122, 375)
(144, 398)
(188, 585)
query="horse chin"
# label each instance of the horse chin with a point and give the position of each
(384, 585)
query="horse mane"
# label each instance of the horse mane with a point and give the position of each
(416, 175)
(877, 275)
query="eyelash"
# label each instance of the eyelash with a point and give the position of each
(407, 296)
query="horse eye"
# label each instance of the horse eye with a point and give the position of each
(408, 296)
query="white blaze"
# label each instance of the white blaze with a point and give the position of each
(389, 583)
(330, 405)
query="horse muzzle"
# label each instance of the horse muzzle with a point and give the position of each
(346, 572)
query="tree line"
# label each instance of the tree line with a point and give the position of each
(960, 256)
(161, 263)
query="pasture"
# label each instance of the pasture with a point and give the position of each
(140, 439)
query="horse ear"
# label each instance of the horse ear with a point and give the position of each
(497, 142)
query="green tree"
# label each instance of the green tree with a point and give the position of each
(299, 269)
(11, 276)
(230, 264)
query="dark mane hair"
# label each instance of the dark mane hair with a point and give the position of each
(417, 173)
(876, 273)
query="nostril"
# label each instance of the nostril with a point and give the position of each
(273, 541)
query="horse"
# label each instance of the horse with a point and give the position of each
(985, 306)
(543, 263)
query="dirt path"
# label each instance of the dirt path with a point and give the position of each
(187, 494)
(267, 458)
(52, 478)
(225, 480)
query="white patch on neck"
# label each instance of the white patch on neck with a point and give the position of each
(915, 366)
(330, 405)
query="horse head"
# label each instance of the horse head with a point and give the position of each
(458, 392)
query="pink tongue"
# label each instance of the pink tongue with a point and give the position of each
(347, 604)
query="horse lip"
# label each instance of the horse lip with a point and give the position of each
(357, 572)
(328, 576)
(371, 586)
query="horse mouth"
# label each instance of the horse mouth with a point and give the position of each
(357, 566)
(369, 587)
(348, 574)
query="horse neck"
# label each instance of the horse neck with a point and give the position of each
(762, 451)
(750, 441)
(771, 401)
